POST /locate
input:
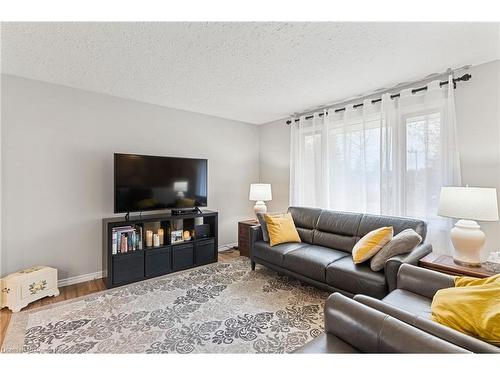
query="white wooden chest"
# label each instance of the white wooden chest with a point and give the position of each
(23, 287)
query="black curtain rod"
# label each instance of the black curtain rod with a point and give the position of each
(465, 77)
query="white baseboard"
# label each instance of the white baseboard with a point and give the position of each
(81, 278)
(101, 274)
(229, 246)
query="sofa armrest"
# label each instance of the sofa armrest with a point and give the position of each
(372, 331)
(392, 265)
(255, 235)
(422, 281)
(448, 334)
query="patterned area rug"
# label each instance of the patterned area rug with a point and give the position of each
(219, 308)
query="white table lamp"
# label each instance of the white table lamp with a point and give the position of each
(260, 193)
(468, 204)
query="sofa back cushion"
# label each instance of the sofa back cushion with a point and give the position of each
(372, 222)
(341, 230)
(337, 230)
(305, 220)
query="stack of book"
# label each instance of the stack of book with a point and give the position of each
(126, 239)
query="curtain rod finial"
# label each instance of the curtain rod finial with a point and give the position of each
(466, 77)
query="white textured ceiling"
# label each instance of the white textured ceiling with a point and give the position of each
(253, 72)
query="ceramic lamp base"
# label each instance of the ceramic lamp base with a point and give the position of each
(468, 239)
(260, 208)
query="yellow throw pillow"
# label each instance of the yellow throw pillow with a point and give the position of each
(471, 307)
(281, 229)
(371, 243)
(474, 281)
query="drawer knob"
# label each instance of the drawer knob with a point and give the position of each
(5, 290)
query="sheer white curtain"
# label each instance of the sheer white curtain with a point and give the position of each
(391, 157)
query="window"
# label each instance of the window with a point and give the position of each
(391, 157)
(423, 168)
(354, 168)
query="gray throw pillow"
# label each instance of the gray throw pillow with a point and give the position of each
(401, 243)
(263, 226)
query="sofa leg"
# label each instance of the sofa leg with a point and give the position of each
(253, 266)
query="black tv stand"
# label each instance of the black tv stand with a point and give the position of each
(188, 211)
(127, 216)
(146, 262)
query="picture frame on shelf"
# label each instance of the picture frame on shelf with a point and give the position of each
(176, 236)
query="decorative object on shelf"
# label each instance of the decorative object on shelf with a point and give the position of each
(176, 236)
(149, 238)
(201, 230)
(186, 235)
(260, 193)
(493, 262)
(126, 238)
(156, 240)
(23, 287)
(468, 204)
(124, 244)
(161, 234)
(139, 239)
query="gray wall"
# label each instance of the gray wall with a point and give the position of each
(478, 118)
(57, 145)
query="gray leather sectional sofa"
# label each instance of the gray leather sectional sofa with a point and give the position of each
(399, 323)
(323, 258)
(352, 327)
(411, 303)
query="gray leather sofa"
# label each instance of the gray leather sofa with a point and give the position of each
(323, 258)
(352, 327)
(411, 302)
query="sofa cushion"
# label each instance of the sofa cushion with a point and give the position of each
(281, 229)
(401, 243)
(356, 278)
(371, 244)
(274, 254)
(472, 307)
(263, 226)
(305, 217)
(311, 260)
(370, 222)
(305, 220)
(411, 302)
(337, 230)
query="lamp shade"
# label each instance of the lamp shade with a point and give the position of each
(472, 203)
(260, 192)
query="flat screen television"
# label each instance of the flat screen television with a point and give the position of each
(147, 183)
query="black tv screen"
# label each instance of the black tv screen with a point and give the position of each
(146, 183)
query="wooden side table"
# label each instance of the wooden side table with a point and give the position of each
(244, 236)
(445, 264)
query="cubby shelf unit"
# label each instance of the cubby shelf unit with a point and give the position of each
(125, 268)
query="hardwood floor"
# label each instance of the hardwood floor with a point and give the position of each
(78, 290)
(228, 254)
